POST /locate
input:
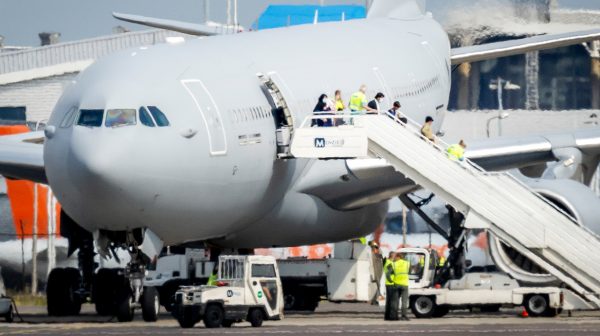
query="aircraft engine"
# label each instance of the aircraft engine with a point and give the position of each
(575, 199)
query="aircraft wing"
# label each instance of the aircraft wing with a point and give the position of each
(515, 47)
(22, 157)
(178, 26)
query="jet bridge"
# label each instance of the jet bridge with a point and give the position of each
(492, 201)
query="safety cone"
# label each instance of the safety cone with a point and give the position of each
(524, 313)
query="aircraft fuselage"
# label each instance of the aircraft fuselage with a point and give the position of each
(213, 173)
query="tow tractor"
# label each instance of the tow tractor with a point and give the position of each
(486, 291)
(248, 289)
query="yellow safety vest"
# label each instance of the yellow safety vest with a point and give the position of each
(456, 152)
(212, 280)
(442, 262)
(339, 105)
(357, 101)
(363, 240)
(401, 269)
(388, 269)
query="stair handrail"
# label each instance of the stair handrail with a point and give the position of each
(479, 169)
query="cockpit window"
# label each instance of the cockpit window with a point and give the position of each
(69, 118)
(120, 117)
(145, 118)
(90, 118)
(159, 117)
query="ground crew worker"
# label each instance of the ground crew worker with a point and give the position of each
(212, 279)
(358, 102)
(401, 280)
(456, 152)
(426, 129)
(442, 261)
(391, 294)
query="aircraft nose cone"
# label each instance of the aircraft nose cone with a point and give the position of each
(95, 164)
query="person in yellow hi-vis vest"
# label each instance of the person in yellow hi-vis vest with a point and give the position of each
(358, 101)
(212, 279)
(442, 261)
(401, 280)
(391, 294)
(456, 152)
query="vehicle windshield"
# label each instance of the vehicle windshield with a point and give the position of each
(159, 117)
(417, 265)
(69, 118)
(145, 118)
(120, 117)
(90, 118)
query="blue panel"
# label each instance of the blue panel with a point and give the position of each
(276, 16)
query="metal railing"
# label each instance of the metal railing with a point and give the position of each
(416, 130)
(79, 50)
(231, 269)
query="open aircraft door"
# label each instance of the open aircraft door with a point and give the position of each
(284, 111)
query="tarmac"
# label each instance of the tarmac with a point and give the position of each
(329, 319)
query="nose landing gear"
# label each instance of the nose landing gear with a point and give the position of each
(115, 292)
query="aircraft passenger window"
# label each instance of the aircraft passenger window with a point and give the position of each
(145, 118)
(159, 117)
(69, 118)
(120, 117)
(90, 118)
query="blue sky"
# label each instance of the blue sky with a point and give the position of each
(22, 20)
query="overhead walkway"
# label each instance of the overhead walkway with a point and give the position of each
(489, 200)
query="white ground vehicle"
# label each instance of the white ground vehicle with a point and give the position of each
(175, 270)
(248, 289)
(350, 276)
(488, 291)
(6, 308)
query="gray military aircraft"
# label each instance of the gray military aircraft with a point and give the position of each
(177, 143)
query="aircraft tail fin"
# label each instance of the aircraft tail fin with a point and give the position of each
(397, 9)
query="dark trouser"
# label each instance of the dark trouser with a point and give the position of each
(391, 303)
(403, 292)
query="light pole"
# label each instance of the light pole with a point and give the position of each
(502, 115)
(500, 85)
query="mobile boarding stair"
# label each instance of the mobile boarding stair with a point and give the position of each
(493, 201)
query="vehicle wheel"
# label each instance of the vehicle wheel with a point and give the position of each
(10, 316)
(256, 317)
(187, 318)
(61, 292)
(536, 305)
(105, 290)
(423, 306)
(491, 309)
(213, 316)
(150, 304)
(73, 283)
(441, 311)
(54, 292)
(290, 301)
(125, 309)
(227, 323)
